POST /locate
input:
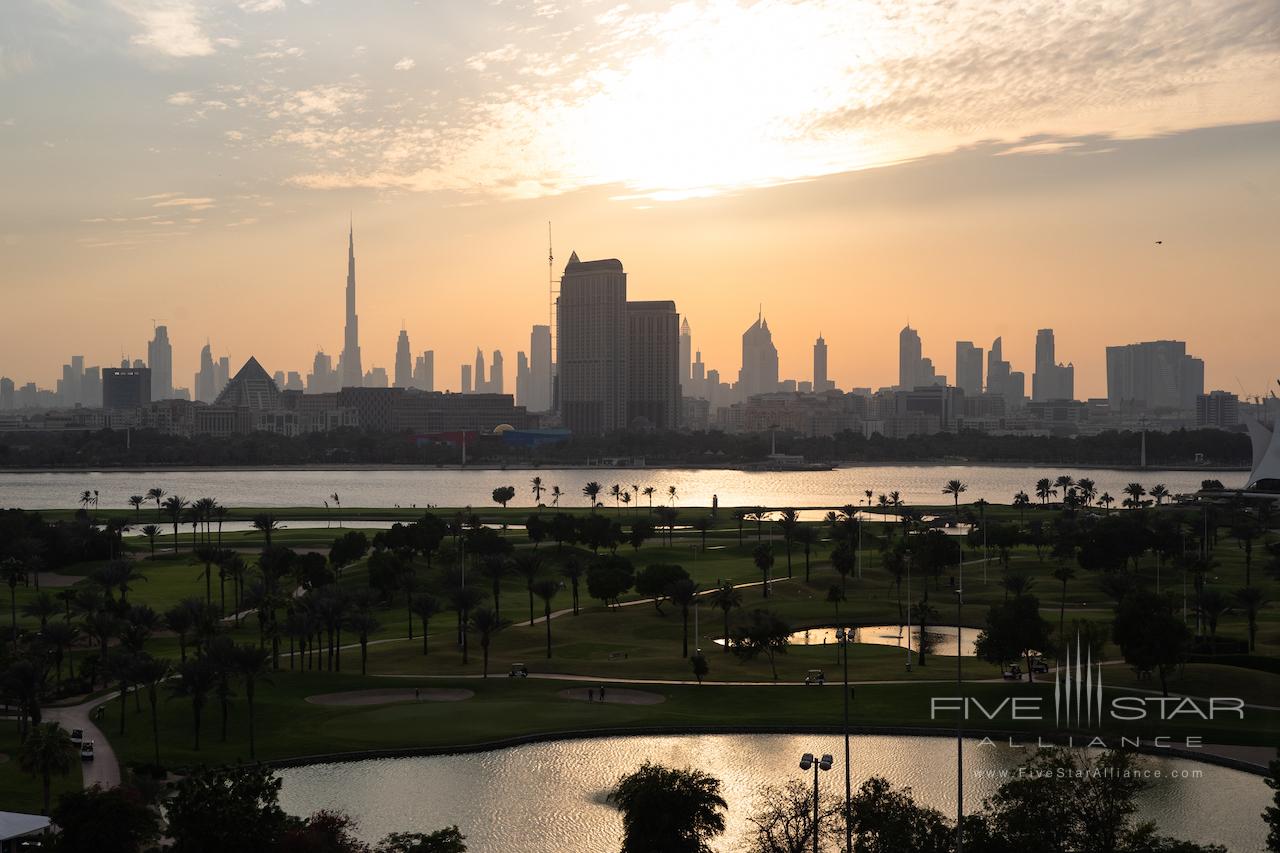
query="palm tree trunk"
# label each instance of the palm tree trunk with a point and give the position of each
(248, 695)
(548, 609)
(155, 726)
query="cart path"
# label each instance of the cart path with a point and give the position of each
(104, 770)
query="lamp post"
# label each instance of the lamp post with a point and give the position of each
(845, 636)
(908, 558)
(806, 761)
(960, 717)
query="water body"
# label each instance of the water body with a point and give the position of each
(550, 798)
(945, 639)
(917, 484)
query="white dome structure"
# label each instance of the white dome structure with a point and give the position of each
(1265, 476)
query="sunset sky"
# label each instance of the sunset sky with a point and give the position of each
(976, 168)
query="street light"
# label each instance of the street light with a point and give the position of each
(845, 636)
(806, 761)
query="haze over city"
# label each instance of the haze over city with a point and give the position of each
(851, 167)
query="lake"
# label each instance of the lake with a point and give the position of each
(918, 484)
(550, 797)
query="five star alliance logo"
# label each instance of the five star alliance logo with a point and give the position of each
(1077, 690)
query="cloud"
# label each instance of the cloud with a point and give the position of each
(182, 201)
(405, 64)
(171, 27)
(256, 6)
(14, 62)
(180, 99)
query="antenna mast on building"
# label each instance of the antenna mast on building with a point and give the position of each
(551, 290)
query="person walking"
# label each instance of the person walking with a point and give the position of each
(591, 694)
(601, 692)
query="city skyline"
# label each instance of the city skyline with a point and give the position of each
(205, 189)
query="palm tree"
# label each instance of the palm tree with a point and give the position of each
(702, 524)
(528, 566)
(763, 558)
(485, 622)
(61, 636)
(807, 537)
(1251, 599)
(726, 597)
(86, 499)
(1105, 501)
(538, 489)
(156, 495)
(1064, 483)
(41, 607)
(1159, 491)
(740, 515)
(1088, 490)
(648, 492)
(556, 494)
(152, 532)
(174, 505)
(954, 488)
(266, 524)
(671, 495)
(788, 521)
(546, 589)
(195, 681)
(363, 623)
(136, 502)
(1064, 573)
(572, 571)
(252, 663)
(684, 594)
(46, 751)
(1135, 491)
(150, 672)
(616, 493)
(1212, 607)
(337, 501)
(1045, 490)
(1022, 500)
(425, 606)
(13, 572)
(591, 491)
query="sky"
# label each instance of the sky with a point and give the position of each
(973, 168)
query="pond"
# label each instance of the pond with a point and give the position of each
(550, 797)
(945, 639)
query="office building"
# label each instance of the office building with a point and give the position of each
(686, 355)
(160, 360)
(424, 371)
(1002, 379)
(523, 378)
(126, 388)
(591, 346)
(1051, 380)
(349, 369)
(909, 357)
(969, 368)
(759, 373)
(404, 362)
(1154, 375)
(540, 370)
(820, 381)
(1217, 410)
(653, 365)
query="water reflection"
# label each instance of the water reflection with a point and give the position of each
(943, 639)
(550, 798)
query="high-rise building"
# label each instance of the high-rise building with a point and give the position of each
(125, 388)
(820, 381)
(1051, 380)
(686, 353)
(7, 399)
(969, 368)
(699, 380)
(250, 388)
(909, 350)
(479, 382)
(523, 379)
(539, 369)
(653, 365)
(322, 379)
(221, 373)
(1218, 410)
(91, 387)
(1002, 380)
(465, 382)
(759, 373)
(404, 362)
(1154, 375)
(424, 371)
(497, 368)
(352, 374)
(160, 360)
(376, 377)
(206, 377)
(591, 346)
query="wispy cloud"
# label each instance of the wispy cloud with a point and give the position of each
(171, 27)
(14, 62)
(182, 201)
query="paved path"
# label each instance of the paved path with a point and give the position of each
(104, 770)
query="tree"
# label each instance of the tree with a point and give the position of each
(571, 570)
(763, 558)
(152, 532)
(1014, 629)
(1045, 490)
(150, 673)
(174, 506)
(1212, 606)
(955, 488)
(528, 566)
(194, 683)
(887, 820)
(1064, 573)
(1022, 500)
(448, 840)
(1271, 815)
(425, 606)
(227, 808)
(1135, 491)
(1251, 600)
(1088, 490)
(782, 820)
(655, 580)
(608, 578)
(104, 820)
(807, 537)
(546, 590)
(1159, 491)
(1150, 635)
(503, 495)
(364, 623)
(537, 489)
(591, 491)
(13, 572)
(843, 560)
(726, 597)
(764, 633)
(668, 810)
(485, 622)
(788, 522)
(684, 594)
(46, 752)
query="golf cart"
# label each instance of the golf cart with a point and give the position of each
(518, 670)
(77, 736)
(815, 676)
(86, 751)
(1039, 665)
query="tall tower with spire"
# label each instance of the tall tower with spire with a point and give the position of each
(686, 353)
(349, 367)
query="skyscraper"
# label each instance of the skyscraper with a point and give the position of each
(908, 358)
(969, 368)
(160, 360)
(352, 374)
(478, 381)
(322, 378)
(540, 369)
(7, 400)
(404, 362)
(205, 378)
(465, 387)
(686, 353)
(759, 373)
(424, 371)
(1051, 381)
(221, 373)
(820, 381)
(497, 367)
(523, 379)
(1002, 380)
(1154, 375)
(126, 387)
(591, 345)
(653, 364)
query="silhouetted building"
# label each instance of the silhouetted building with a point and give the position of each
(323, 378)
(969, 368)
(376, 377)
(522, 378)
(206, 377)
(1002, 380)
(686, 355)
(591, 346)
(404, 362)
(251, 388)
(125, 388)
(424, 371)
(352, 374)
(1218, 410)
(908, 358)
(7, 401)
(1051, 380)
(540, 369)
(820, 381)
(497, 373)
(1154, 375)
(465, 386)
(759, 373)
(160, 360)
(653, 365)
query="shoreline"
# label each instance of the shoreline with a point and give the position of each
(1204, 757)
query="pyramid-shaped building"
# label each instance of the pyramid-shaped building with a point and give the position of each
(251, 388)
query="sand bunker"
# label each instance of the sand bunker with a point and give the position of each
(615, 696)
(392, 694)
